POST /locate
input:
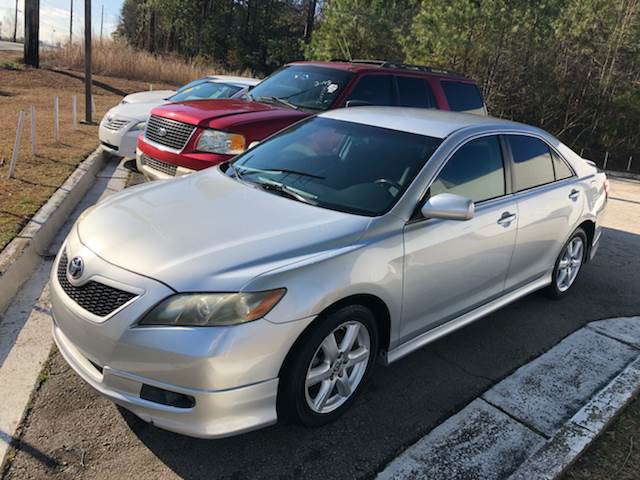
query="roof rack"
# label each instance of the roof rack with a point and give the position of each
(403, 66)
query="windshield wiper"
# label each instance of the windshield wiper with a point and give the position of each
(286, 191)
(282, 170)
(281, 101)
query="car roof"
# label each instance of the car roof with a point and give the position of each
(423, 121)
(357, 66)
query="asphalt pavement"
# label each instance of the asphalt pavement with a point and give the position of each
(73, 433)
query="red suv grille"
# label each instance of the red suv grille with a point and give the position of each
(169, 133)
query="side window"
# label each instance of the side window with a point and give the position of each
(475, 171)
(373, 89)
(415, 92)
(462, 97)
(560, 166)
(532, 162)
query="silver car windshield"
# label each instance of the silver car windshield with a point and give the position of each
(339, 165)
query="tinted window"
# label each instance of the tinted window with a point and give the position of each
(337, 165)
(475, 171)
(415, 92)
(205, 91)
(304, 86)
(374, 90)
(532, 162)
(560, 166)
(462, 97)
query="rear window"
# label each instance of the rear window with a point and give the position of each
(415, 92)
(560, 166)
(462, 97)
(532, 162)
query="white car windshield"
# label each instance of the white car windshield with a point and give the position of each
(205, 91)
(339, 165)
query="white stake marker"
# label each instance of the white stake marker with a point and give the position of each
(56, 121)
(16, 145)
(34, 150)
(74, 112)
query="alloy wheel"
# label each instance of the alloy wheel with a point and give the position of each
(337, 367)
(570, 262)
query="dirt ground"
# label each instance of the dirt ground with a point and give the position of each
(37, 177)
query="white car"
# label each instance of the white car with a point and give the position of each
(120, 127)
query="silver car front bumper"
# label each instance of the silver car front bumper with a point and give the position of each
(231, 372)
(216, 413)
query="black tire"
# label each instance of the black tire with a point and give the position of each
(552, 291)
(292, 403)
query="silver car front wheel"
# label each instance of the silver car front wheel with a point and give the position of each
(338, 367)
(328, 367)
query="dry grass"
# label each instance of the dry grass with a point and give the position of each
(37, 177)
(118, 59)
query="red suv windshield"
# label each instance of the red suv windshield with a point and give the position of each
(302, 86)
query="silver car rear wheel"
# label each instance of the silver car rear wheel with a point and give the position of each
(571, 260)
(337, 367)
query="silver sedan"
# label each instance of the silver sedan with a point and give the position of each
(268, 288)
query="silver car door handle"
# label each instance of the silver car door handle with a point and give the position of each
(574, 195)
(506, 219)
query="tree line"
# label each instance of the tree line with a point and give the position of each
(569, 66)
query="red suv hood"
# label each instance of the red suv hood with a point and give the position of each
(201, 112)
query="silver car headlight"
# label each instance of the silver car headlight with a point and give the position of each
(139, 126)
(213, 309)
(216, 141)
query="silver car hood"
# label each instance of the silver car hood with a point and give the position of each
(206, 231)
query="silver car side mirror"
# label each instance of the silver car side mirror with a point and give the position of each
(448, 206)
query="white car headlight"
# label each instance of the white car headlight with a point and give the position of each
(213, 309)
(139, 126)
(215, 141)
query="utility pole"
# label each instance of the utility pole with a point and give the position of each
(311, 16)
(71, 23)
(32, 32)
(101, 21)
(15, 23)
(87, 63)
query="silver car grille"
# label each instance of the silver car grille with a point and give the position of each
(94, 297)
(167, 132)
(115, 124)
(166, 168)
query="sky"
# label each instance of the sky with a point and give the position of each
(54, 18)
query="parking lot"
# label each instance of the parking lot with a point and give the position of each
(71, 432)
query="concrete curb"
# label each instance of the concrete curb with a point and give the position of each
(25, 326)
(20, 257)
(556, 456)
(536, 422)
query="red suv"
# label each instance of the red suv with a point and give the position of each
(186, 136)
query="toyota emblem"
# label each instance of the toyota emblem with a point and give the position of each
(76, 268)
(162, 132)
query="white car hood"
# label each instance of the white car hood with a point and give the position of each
(150, 96)
(133, 111)
(209, 232)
